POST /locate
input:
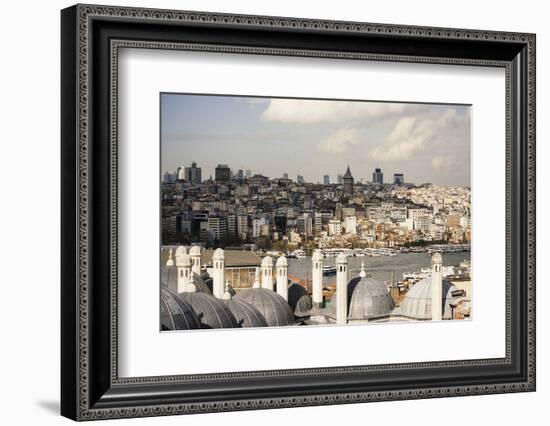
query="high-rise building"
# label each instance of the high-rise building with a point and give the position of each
(318, 223)
(326, 180)
(240, 174)
(169, 177)
(378, 176)
(398, 179)
(348, 182)
(304, 224)
(193, 174)
(300, 180)
(222, 173)
(248, 174)
(340, 179)
(180, 173)
(285, 176)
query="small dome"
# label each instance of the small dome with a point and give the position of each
(180, 250)
(417, 304)
(367, 299)
(176, 313)
(271, 305)
(212, 312)
(195, 251)
(218, 254)
(169, 278)
(183, 260)
(281, 261)
(246, 315)
(436, 258)
(317, 255)
(267, 261)
(298, 300)
(341, 258)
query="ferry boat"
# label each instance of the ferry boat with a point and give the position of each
(299, 253)
(329, 270)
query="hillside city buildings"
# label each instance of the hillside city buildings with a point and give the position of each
(242, 208)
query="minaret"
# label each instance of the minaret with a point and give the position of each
(195, 254)
(437, 287)
(317, 279)
(266, 271)
(282, 277)
(341, 289)
(170, 261)
(218, 261)
(183, 264)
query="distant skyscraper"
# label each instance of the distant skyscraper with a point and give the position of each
(326, 180)
(193, 174)
(169, 177)
(180, 173)
(348, 182)
(398, 179)
(300, 180)
(340, 179)
(285, 175)
(378, 176)
(222, 173)
(248, 174)
(240, 174)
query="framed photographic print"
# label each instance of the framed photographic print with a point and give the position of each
(264, 212)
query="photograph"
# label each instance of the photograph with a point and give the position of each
(291, 212)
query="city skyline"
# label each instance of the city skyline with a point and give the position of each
(313, 138)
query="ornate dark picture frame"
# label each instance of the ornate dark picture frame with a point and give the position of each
(90, 385)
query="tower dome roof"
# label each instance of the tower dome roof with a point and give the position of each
(195, 251)
(271, 305)
(341, 258)
(169, 278)
(298, 300)
(281, 261)
(317, 255)
(417, 304)
(218, 254)
(212, 312)
(246, 314)
(367, 299)
(183, 259)
(267, 261)
(176, 313)
(436, 258)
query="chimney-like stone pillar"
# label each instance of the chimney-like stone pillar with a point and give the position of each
(218, 264)
(317, 279)
(266, 271)
(341, 289)
(195, 254)
(437, 287)
(282, 277)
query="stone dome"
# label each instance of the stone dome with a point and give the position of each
(218, 254)
(267, 261)
(176, 313)
(281, 261)
(271, 305)
(417, 304)
(367, 299)
(341, 258)
(246, 314)
(317, 255)
(183, 260)
(298, 300)
(212, 312)
(169, 278)
(195, 251)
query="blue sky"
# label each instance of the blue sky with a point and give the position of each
(428, 143)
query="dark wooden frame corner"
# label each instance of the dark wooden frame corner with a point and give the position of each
(91, 37)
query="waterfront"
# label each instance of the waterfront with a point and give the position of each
(378, 267)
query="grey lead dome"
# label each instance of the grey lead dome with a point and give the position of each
(272, 306)
(211, 312)
(176, 313)
(246, 314)
(418, 301)
(367, 299)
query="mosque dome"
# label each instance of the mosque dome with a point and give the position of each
(212, 312)
(271, 305)
(417, 304)
(298, 300)
(317, 255)
(267, 261)
(176, 313)
(367, 299)
(169, 278)
(281, 261)
(246, 314)
(195, 251)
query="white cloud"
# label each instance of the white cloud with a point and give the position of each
(440, 162)
(411, 135)
(301, 111)
(341, 141)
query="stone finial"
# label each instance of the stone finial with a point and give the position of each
(170, 261)
(226, 293)
(363, 273)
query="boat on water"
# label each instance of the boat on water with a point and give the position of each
(299, 253)
(329, 270)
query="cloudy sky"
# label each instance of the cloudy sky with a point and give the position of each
(428, 143)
